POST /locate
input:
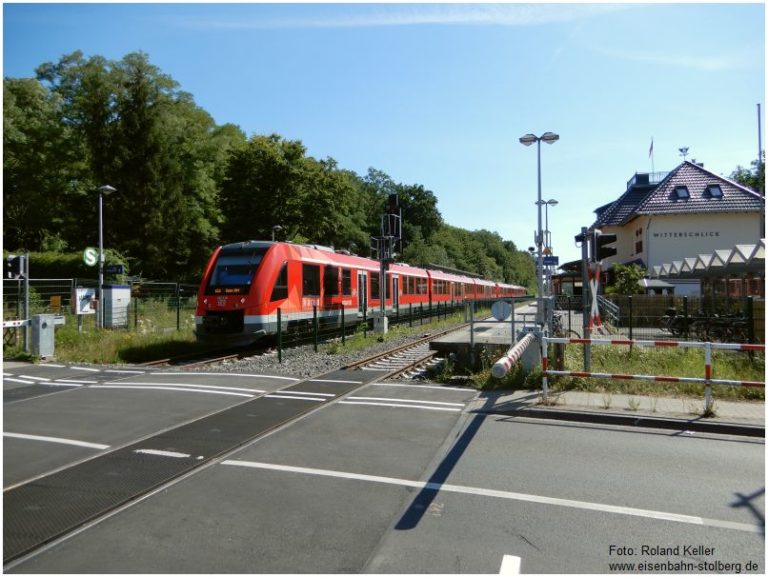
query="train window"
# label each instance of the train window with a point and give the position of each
(422, 286)
(331, 281)
(280, 290)
(234, 271)
(346, 282)
(310, 280)
(375, 285)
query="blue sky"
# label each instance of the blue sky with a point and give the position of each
(439, 94)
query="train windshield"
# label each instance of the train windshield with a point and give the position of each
(234, 271)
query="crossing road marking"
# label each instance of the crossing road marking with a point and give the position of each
(56, 440)
(510, 565)
(585, 505)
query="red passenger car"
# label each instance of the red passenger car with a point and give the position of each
(245, 284)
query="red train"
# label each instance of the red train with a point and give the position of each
(246, 282)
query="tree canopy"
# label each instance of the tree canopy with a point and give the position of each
(185, 184)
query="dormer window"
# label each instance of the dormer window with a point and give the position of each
(681, 192)
(714, 191)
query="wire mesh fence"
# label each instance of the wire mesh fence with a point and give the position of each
(148, 306)
(689, 318)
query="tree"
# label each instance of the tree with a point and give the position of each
(754, 178)
(627, 278)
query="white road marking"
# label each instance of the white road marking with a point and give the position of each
(305, 393)
(405, 401)
(509, 495)
(76, 382)
(89, 369)
(294, 398)
(334, 381)
(174, 389)
(214, 387)
(34, 378)
(56, 440)
(510, 565)
(229, 375)
(410, 386)
(400, 406)
(124, 371)
(22, 381)
(160, 453)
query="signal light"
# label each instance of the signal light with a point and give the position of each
(14, 266)
(600, 246)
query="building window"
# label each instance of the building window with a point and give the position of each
(681, 192)
(714, 191)
(639, 240)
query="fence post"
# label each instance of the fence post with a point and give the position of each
(686, 323)
(410, 315)
(279, 336)
(707, 377)
(544, 362)
(314, 325)
(749, 314)
(343, 328)
(630, 316)
(178, 307)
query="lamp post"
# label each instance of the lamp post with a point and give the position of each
(103, 191)
(276, 228)
(527, 140)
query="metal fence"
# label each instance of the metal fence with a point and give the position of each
(688, 318)
(153, 306)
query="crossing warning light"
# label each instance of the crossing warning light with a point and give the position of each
(14, 266)
(600, 246)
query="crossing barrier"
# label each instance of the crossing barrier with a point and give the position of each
(707, 380)
(502, 366)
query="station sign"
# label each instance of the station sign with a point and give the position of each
(550, 260)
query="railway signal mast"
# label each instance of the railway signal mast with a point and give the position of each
(385, 246)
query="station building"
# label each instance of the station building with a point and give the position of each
(666, 222)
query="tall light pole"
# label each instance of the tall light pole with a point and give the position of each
(527, 140)
(276, 228)
(103, 191)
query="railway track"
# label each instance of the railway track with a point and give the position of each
(410, 361)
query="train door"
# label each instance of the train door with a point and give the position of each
(362, 292)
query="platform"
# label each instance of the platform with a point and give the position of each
(486, 340)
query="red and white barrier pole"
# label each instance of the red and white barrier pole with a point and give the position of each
(502, 366)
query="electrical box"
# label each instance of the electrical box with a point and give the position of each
(117, 299)
(42, 344)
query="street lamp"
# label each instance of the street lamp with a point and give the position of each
(527, 140)
(276, 228)
(103, 191)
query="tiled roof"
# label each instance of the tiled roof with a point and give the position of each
(665, 200)
(623, 208)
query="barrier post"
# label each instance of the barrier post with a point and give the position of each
(707, 378)
(279, 336)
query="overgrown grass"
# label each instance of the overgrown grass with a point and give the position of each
(674, 362)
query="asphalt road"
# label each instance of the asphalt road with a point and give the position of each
(395, 478)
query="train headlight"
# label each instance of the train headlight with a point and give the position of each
(242, 300)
